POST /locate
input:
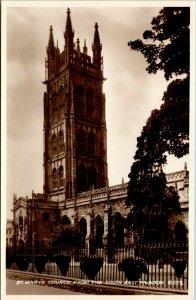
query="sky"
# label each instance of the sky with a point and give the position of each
(131, 93)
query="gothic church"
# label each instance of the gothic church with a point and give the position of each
(76, 190)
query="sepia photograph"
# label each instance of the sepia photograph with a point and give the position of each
(98, 133)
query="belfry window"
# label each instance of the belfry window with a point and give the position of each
(89, 104)
(80, 100)
(91, 144)
(81, 176)
(81, 142)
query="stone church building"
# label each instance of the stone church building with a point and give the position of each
(76, 190)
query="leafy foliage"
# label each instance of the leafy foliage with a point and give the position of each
(165, 47)
(169, 50)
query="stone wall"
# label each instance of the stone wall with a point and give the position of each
(44, 218)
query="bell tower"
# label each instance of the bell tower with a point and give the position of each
(75, 141)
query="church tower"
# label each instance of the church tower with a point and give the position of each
(75, 141)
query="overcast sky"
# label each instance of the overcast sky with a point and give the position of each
(131, 93)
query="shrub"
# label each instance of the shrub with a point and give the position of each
(62, 262)
(40, 262)
(91, 266)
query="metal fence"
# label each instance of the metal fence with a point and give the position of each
(162, 265)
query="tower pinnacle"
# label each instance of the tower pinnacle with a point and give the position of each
(85, 50)
(68, 27)
(78, 45)
(96, 47)
(51, 40)
(96, 41)
(68, 35)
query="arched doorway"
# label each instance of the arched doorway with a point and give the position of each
(99, 231)
(180, 232)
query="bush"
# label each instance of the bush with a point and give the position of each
(133, 268)
(9, 261)
(40, 262)
(22, 262)
(62, 262)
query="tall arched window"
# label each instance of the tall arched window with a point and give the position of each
(80, 106)
(81, 175)
(92, 178)
(119, 230)
(54, 144)
(130, 221)
(54, 178)
(91, 144)
(83, 230)
(54, 100)
(81, 142)
(61, 176)
(99, 231)
(61, 97)
(61, 141)
(89, 104)
(54, 106)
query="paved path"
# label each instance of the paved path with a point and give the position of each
(22, 289)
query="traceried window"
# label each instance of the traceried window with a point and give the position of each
(99, 231)
(61, 141)
(61, 176)
(89, 104)
(119, 230)
(54, 144)
(81, 175)
(81, 142)
(54, 178)
(80, 105)
(92, 178)
(83, 230)
(61, 102)
(54, 106)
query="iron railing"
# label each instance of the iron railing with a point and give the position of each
(162, 265)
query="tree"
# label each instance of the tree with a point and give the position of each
(165, 47)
